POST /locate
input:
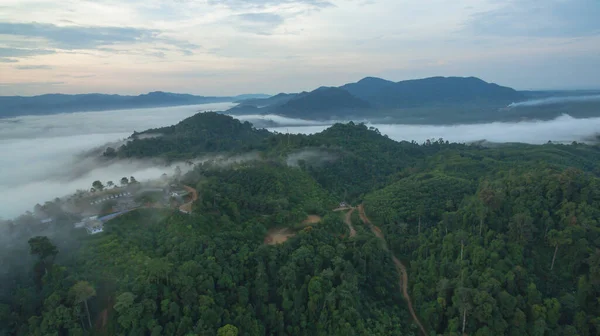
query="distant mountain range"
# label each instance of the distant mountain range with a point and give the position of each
(438, 100)
(11, 106)
(379, 97)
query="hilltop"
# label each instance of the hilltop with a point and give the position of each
(202, 133)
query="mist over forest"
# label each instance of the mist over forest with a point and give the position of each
(46, 155)
(285, 189)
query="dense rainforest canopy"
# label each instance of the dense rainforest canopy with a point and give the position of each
(496, 241)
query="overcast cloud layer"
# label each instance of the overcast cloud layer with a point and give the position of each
(41, 161)
(229, 47)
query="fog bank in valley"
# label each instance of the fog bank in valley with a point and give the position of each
(562, 129)
(557, 100)
(42, 154)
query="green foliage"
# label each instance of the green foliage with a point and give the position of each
(497, 241)
(270, 193)
(42, 247)
(200, 134)
(227, 330)
(506, 255)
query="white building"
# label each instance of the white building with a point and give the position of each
(91, 224)
(94, 227)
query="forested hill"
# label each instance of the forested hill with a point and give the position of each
(496, 241)
(369, 97)
(200, 134)
(323, 100)
(431, 91)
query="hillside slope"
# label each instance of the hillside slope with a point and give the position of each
(327, 101)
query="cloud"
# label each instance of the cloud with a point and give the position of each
(84, 37)
(82, 76)
(33, 67)
(41, 154)
(529, 18)
(260, 4)
(42, 161)
(31, 83)
(557, 100)
(259, 23)
(262, 17)
(158, 54)
(8, 60)
(18, 52)
(76, 37)
(267, 18)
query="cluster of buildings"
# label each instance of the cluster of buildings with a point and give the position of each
(126, 194)
(91, 224)
(121, 202)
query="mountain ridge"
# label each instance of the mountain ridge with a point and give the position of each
(376, 96)
(52, 103)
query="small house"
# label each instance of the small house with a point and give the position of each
(94, 226)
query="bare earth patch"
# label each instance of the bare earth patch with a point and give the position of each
(278, 236)
(312, 219)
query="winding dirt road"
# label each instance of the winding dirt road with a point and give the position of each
(348, 219)
(399, 266)
(187, 207)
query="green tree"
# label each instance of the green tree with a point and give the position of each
(98, 185)
(81, 292)
(44, 249)
(227, 330)
(557, 238)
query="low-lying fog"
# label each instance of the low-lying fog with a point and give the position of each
(562, 129)
(40, 153)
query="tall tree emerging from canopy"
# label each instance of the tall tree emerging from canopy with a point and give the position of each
(227, 330)
(81, 292)
(44, 249)
(557, 238)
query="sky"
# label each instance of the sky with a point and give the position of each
(228, 47)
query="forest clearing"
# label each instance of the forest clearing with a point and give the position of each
(278, 236)
(187, 207)
(281, 235)
(311, 219)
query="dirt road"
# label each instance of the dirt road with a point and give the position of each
(399, 266)
(348, 221)
(187, 207)
(348, 218)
